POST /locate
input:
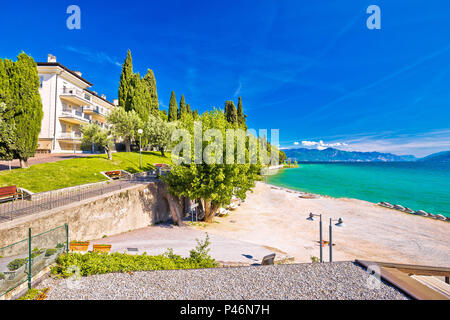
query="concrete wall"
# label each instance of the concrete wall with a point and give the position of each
(132, 208)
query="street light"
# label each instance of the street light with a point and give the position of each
(340, 223)
(140, 131)
(311, 218)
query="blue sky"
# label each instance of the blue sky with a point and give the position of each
(309, 68)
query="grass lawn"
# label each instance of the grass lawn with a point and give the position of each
(68, 173)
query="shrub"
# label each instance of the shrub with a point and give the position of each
(60, 245)
(2, 276)
(16, 264)
(100, 263)
(35, 294)
(50, 252)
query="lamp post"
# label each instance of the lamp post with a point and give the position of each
(140, 131)
(340, 223)
(311, 218)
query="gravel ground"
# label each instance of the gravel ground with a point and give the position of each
(336, 281)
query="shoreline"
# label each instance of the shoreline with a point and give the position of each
(276, 217)
(433, 217)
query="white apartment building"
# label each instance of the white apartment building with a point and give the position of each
(68, 104)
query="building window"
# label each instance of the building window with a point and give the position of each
(41, 81)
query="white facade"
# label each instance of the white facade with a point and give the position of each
(67, 104)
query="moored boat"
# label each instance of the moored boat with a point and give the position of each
(421, 213)
(399, 207)
(441, 217)
(408, 210)
(386, 205)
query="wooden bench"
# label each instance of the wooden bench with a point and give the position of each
(114, 174)
(10, 192)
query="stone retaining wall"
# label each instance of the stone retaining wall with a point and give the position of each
(114, 213)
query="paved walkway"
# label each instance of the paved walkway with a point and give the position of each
(157, 239)
(42, 158)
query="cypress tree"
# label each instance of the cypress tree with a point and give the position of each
(182, 110)
(230, 112)
(125, 84)
(188, 108)
(240, 114)
(173, 108)
(151, 84)
(195, 114)
(28, 112)
(140, 101)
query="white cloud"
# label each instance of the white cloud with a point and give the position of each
(320, 145)
(296, 143)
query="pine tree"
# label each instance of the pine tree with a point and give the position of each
(151, 84)
(125, 85)
(27, 109)
(173, 108)
(182, 110)
(240, 114)
(188, 108)
(230, 112)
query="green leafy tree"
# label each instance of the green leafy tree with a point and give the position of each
(27, 108)
(125, 85)
(188, 108)
(158, 132)
(173, 108)
(195, 114)
(94, 134)
(125, 125)
(6, 135)
(163, 115)
(212, 184)
(151, 84)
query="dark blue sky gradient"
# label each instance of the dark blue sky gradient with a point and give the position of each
(309, 68)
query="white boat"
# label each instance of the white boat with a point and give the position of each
(421, 213)
(408, 210)
(399, 207)
(386, 205)
(441, 217)
(430, 215)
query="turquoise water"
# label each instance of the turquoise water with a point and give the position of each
(419, 186)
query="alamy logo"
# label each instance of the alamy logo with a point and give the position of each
(374, 20)
(73, 22)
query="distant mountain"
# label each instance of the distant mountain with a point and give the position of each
(437, 157)
(331, 155)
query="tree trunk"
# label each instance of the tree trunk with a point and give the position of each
(162, 151)
(210, 211)
(109, 154)
(24, 163)
(127, 145)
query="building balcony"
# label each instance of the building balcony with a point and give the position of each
(94, 110)
(72, 137)
(75, 117)
(76, 96)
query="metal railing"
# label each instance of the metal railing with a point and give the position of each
(44, 201)
(73, 135)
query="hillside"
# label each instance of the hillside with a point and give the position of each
(437, 157)
(331, 155)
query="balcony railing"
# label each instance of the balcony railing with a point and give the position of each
(73, 113)
(73, 135)
(77, 93)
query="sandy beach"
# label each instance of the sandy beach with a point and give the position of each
(276, 218)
